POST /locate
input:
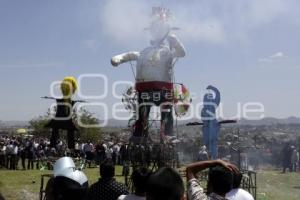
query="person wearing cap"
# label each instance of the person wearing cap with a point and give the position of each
(67, 182)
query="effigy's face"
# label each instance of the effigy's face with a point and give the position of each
(68, 87)
(210, 95)
(159, 29)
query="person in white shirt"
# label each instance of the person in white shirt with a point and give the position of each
(139, 178)
(104, 146)
(76, 146)
(36, 144)
(203, 155)
(238, 193)
(9, 154)
(108, 153)
(116, 152)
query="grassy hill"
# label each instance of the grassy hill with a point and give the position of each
(22, 185)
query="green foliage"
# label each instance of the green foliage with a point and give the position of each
(88, 126)
(85, 121)
(38, 125)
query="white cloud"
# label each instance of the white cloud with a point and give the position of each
(278, 55)
(274, 57)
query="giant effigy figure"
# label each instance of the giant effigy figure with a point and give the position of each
(63, 119)
(154, 72)
(211, 126)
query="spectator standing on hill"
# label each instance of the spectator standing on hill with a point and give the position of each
(203, 155)
(87, 149)
(9, 153)
(2, 154)
(31, 156)
(115, 154)
(14, 156)
(100, 153)
(287, 156)
(295, 160)
(22, 153)
(108, 152)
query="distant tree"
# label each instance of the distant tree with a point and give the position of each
(37, 124)
(84, 120)
(88, 126)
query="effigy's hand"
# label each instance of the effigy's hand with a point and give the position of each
(46, 97)
(176, 45)
(172, 39)
(115, 61)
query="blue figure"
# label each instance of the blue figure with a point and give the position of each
(211, 126)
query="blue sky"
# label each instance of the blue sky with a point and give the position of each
(248, 49)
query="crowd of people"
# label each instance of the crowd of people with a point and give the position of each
(164, 184)
(28, 153)
(224, 179)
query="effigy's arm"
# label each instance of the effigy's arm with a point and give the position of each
(124, 57)
(176, 46)
(46, 97)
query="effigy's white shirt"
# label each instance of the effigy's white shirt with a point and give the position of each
(155, 64)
